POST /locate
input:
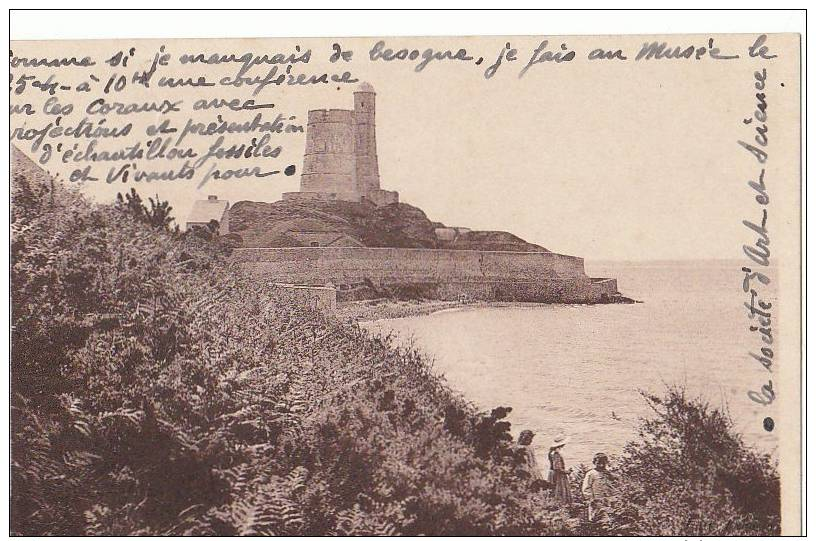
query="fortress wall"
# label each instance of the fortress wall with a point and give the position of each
(604, 287)
(308, 196)
(382, 197)
(353, 264)
(521, 276)
(544, 291)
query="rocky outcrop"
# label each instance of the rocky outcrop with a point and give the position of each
(277, 225)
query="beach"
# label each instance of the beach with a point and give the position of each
(579, 368)
(384, 309)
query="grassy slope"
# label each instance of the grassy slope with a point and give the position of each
(156, 391)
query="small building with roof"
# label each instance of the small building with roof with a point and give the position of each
(208, 210)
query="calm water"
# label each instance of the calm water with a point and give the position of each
(577, 369)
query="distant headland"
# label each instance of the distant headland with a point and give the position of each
(343, 230)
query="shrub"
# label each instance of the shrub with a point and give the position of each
(689, 473)
(158, 390)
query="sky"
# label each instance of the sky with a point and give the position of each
(604, 160)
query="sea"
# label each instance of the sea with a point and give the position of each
(577, 370)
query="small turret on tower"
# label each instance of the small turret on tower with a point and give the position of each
(368, 171)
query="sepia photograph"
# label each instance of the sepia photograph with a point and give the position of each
(452, 285)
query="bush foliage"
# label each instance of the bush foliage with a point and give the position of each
(157, 390)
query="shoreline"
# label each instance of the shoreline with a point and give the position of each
(379, 309)
(383, 309)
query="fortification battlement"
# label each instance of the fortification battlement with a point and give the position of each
(346, 116)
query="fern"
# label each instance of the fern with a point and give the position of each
(160, 390)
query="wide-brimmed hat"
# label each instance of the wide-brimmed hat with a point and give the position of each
(559, 440)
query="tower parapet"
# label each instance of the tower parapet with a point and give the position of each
(330, 115)
(340, 160)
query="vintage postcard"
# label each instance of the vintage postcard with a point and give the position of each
(519, 285)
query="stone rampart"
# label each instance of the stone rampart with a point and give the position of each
(605, 289)
(483, 275)
(382, 197)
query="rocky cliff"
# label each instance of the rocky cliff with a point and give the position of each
(286, 223)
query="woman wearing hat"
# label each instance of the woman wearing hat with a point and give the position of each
(525, 440)
(558, 477)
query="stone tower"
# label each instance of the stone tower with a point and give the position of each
(329, 162)
(340, 160)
